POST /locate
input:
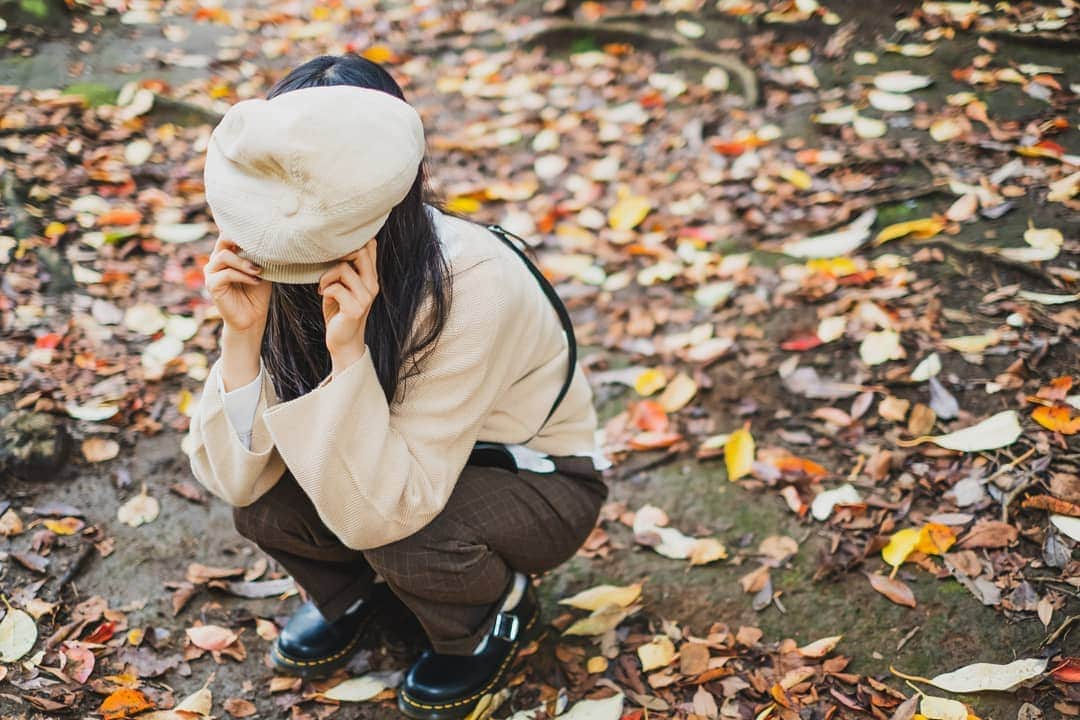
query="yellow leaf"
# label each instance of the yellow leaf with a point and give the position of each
(739, 453)
(837, 267)
(596, 664)
(64, 526)
(707, 550)
(185, 402)
(657, 654)
(799, 178)
(603, 595)
(628, 212)
(463, 204)
(602, 620)
(649, 382)
(379, 54)
(922, 229)
(901, 544)
(971, 343)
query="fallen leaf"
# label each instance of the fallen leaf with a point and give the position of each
(649, 382)
(834, 244)
(892, 588)
(922, 229)
(820, 648)
(980, 677)
(603, 595)
(599, 622)
(997, 431)
(678, 393)
(18, 633)
(1057, 418)
(211, 637)
(357, 689)
(880, 347)
(628, 212)
(656, 654)
(99, 449)
(124, 703)
(239, 708)
(901, 81)
(607, 709)
(938, 708)
(739, 453)
(139, 510)
(824, 502)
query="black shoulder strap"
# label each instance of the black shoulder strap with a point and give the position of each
(556, 302)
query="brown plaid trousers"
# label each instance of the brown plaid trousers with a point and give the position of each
(452, 573)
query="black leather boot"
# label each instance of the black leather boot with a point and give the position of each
(310, 646)
(447, 687)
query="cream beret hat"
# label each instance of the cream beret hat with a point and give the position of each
(304, 179)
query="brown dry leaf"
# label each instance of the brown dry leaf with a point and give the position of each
(239, 708)
(99, 449)
(755, 580)
(892, 588)
(990, 534)
(693, 658)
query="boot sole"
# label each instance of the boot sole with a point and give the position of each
(457, 709)
(317, 667)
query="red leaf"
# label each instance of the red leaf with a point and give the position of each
(102, 633)
(801, 342)
(1068, 671)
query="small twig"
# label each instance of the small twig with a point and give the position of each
(1065, 625)
(74, 570)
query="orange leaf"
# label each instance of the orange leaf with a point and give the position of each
(1058, 419)
(935, 539)
(649, 415)
(124, 703)
(654, 440)
(120, 216)
(793, 464)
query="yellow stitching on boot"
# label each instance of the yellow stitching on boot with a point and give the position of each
(512, 655)
(274, 651)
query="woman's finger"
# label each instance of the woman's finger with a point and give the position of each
(229, 259)
(347, 304)
(222, 278)
(366, 267)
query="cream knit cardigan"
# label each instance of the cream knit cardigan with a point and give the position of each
(378, 472)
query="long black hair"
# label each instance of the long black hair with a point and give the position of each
(410, 264)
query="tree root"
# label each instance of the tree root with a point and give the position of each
(684, 48)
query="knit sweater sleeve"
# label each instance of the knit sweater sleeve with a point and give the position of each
(377, 472)
(237, 470)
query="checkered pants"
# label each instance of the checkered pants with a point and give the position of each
(452, 573)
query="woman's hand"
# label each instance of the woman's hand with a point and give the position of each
(242, 298)
(348, 291)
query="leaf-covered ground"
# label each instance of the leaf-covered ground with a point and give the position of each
(823, 262)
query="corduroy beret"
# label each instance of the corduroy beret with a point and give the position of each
(299, 181)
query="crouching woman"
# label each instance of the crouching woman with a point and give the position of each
(397, 392)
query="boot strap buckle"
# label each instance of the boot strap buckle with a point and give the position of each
(506, 627)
